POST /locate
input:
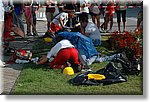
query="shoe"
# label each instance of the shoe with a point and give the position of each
(109, 31)
(29, 34)
(35, 33)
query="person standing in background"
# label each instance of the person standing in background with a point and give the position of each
(49, 12)
(8, 21)
(18, 10)
(109, 14)
(70, 7)
(121, 10)
(35, 7)
(28, 16)
(95, 13)
(84, 8)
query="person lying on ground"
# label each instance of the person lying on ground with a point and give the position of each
(86, 50)
(62, 54)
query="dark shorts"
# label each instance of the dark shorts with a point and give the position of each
(119, 13)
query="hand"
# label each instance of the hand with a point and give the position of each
(36, 11)
(65, 27)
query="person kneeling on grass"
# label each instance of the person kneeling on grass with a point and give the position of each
(59, 22)
(62, 54)
(89, 29)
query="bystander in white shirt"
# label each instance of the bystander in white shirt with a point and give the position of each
(63, 16)
(86, 8)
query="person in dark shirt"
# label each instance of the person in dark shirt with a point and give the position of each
(70, 7)
(18, 10)
(49, 12)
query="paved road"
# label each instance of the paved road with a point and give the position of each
(131, 20)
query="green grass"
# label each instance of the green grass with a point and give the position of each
(40, 79)
(43, 80)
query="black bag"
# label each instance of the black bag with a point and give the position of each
(128, 67)
(111, 72)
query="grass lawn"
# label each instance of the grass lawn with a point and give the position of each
(40, 79)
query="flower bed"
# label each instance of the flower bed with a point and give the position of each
(129, 42)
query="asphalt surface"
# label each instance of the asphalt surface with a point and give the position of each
(131, 20)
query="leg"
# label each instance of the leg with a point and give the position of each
(20, 22)
(28, 27)
(106, 22)
(34, 25)
(111, 22)
(74, 56)
(48, 17)
(118, 19)
(93, 19)
(7, 28)
(74, 60)
(48, 25)
(102, 26)
(98, 21)
(60, 61)
(107, 58)
(124, 20)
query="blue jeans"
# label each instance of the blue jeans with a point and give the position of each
(97, 59)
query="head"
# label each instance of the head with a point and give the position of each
(84, 22)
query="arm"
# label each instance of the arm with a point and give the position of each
(83, 32)
(61, 22)
(43, 60)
